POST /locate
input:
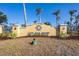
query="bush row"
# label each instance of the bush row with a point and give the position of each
(8, 35)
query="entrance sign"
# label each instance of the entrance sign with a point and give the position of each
(38, 33)
(38, 27)
(35, 30)
(41, 30)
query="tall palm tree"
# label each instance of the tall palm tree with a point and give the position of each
(38, 13)
(25, 18)
(48, 23)
(57, 14)
(68, 24)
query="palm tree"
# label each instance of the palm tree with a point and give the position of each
(38, 12)
(78, 29)
(68, 24)
(57, 14)
(48, 23)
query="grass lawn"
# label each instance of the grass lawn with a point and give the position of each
(45, 47)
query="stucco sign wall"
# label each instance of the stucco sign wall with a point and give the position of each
(35, 30)
(38, 30)
(41, 30)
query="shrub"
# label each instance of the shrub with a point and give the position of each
(0, 34)
(3, 35)
(63, 35)
(8, 35)
(12, 35)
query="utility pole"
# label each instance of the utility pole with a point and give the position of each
(25, 18)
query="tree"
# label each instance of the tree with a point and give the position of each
(38, 12)
(68, 23)
(35, 22)
(48, 23)
(3, 18)
(78, 28)
(57, 14)
(71, 12)
(77, 22)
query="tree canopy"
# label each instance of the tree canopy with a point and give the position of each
(3, 18)
(48, 23)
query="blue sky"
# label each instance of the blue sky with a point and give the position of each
(14, 12)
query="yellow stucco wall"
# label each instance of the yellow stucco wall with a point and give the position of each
(32, 29)
(44, 28)
(15, 29)
(1, 29)
(63, 29)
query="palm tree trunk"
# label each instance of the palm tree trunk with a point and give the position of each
(40, 19)
(57, 29)
(71, 25)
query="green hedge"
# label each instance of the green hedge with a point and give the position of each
(63, 35)
(12, 35)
